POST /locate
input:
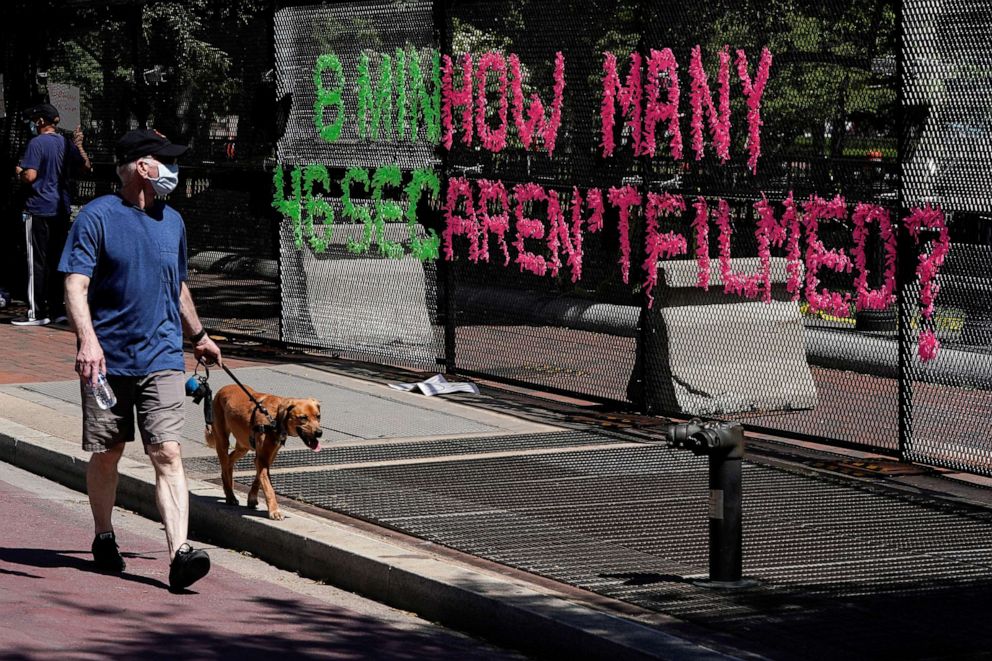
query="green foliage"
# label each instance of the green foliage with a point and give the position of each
(200, 87)
(834, 63)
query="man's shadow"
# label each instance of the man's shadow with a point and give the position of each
(51, 558)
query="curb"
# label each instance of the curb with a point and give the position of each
(500, 609)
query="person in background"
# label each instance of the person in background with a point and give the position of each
(125, 285)
(48, 161)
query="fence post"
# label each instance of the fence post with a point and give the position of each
(644, 327)
(446, 303)
(905, 272)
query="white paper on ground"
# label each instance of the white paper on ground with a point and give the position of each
(437, 385)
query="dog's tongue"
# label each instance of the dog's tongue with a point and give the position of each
(316, 448)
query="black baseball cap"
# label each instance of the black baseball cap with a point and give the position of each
(146, 142)
(44, 110)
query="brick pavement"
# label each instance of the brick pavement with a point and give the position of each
(48, 353)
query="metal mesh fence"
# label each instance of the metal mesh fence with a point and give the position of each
(400, 236)
(948, 150)
(829, 128)
(352, 301)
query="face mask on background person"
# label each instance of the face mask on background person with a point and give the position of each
(167, 180)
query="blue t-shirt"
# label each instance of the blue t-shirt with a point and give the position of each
(136, 262)
(47, 154)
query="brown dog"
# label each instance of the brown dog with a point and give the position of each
(233, 414)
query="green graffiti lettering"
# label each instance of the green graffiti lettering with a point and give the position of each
(290, 207)
(386, 210)
(375, 105)
(317, 207)
(399, 76)
(424, 105)
(358, 213)
(328, 98)
(309, 210)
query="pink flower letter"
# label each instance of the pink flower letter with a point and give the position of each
(492, 139)
(660, 246)
(780, 232)
(535, 123)
(719, 114)
(451, 98)
(498, 224)
(630, 100)
(753, 92)
(817, 257)
(529, 228)
(927, 268)
(625, 198)
(736, 283)
(662, 63)
(457, 225)
(873, 299)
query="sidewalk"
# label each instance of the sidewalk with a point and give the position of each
(551, 527)
(57, 606)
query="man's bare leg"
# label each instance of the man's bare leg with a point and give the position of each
(171, 492)
(101, 486)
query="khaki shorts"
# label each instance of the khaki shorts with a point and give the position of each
(158, 399)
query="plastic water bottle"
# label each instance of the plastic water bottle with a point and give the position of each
(105, 397)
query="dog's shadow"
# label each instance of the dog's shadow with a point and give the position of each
(53, 559)
(260, 512)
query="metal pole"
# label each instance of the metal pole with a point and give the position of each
(726, 556)
(905, 272)
(723, 443)
(445, 270)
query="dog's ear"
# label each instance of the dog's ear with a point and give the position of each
(282, 416)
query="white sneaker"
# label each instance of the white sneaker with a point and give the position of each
(30, 321)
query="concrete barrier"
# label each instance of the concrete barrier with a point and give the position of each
(707, 353)
(360, 304)
(243, 266)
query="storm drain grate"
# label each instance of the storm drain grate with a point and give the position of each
(354, 454)
(841, 568)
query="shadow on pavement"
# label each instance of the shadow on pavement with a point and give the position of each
(80, 560)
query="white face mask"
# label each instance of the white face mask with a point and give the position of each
(167, 180)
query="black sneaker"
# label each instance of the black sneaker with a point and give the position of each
(189, 566)
(105, 553)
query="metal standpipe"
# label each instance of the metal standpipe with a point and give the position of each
(723, 444)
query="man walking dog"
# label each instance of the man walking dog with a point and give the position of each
(125, 266)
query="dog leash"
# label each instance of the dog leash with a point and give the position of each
(273, 423)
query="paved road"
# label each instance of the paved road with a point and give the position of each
(56, 606)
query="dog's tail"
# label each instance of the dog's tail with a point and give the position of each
(208, 435)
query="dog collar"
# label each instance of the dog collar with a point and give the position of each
(274, 426)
